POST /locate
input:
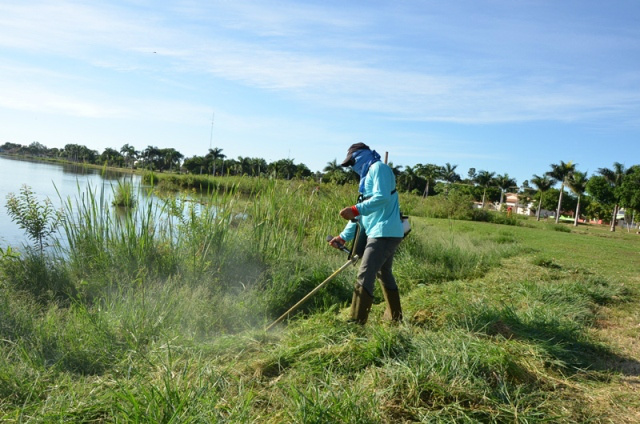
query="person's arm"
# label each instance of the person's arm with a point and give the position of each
(349, 231)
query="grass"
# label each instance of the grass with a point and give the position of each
(157, 314)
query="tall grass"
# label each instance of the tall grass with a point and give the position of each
(156, 314)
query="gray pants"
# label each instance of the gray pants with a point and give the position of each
(377, 261)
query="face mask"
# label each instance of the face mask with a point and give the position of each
(364, 159)
(359, 159)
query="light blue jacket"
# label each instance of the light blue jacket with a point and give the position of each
(380, 211)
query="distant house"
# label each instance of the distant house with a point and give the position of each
(512, 201)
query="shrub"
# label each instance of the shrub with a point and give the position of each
(455, 205)
(39, 220)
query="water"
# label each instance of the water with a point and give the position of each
(53, 181)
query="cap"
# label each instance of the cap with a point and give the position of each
(348, 161)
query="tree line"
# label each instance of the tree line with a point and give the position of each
(152, 158)
(599, 196)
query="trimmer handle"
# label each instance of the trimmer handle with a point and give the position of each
(341, 246)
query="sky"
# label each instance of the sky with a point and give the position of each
(497, 85)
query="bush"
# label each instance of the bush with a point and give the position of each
(39, 220)
(483, 215)
(455, 205)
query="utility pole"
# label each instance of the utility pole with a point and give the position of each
(213, 114)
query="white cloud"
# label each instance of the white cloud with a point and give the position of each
(286, 59)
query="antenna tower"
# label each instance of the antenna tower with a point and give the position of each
(213, 114)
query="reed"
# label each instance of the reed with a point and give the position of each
(124, 196)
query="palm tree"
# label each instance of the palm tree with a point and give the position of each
(504, 183)
(543, 184)
(332, 166)
(213, 155)
(577, 182)
(484, 179)
(111, 156)
(430, 173)
(615, 177)
(234, 167)
(449, 173)
(525, 194)
(152, 157)
(129, 152)
(561, 172)
(171, 157)
(629, 192)
(395, 169)
(245, 165)
(408, 179)
(258, 166)
(72, 151)
(282, 168)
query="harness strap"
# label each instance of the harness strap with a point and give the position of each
(361, 198)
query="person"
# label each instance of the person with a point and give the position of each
(377, 213)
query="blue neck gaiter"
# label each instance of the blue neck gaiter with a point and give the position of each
(364, 159)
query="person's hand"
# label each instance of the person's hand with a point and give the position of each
(347, 213)
(337, 242)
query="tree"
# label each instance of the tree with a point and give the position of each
(283, 168)
(194, 164)
(526, 193)
(395, 169)
(245, 165)
(72, 152)
(504, 183)
(130, 154)
(408, 180)
(78, 153)
(333, 172)
(38, 220)
(484, 179)
(10, 148)
(472, 174)
(170, 157)
(302, 171)
(36, 149)
(629, 190)
(449, 173)
(233, 167)
(614, 177)
(543, 184)
(332, 166)
(152, 158)
(577, 182)
(560, 172)
(430, 173)
(111, 157)
(258, 167)
(212, 157)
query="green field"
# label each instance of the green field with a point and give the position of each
(158, 315)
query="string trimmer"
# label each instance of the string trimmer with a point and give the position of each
(352, 260)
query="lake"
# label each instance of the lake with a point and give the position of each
(51, 181)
